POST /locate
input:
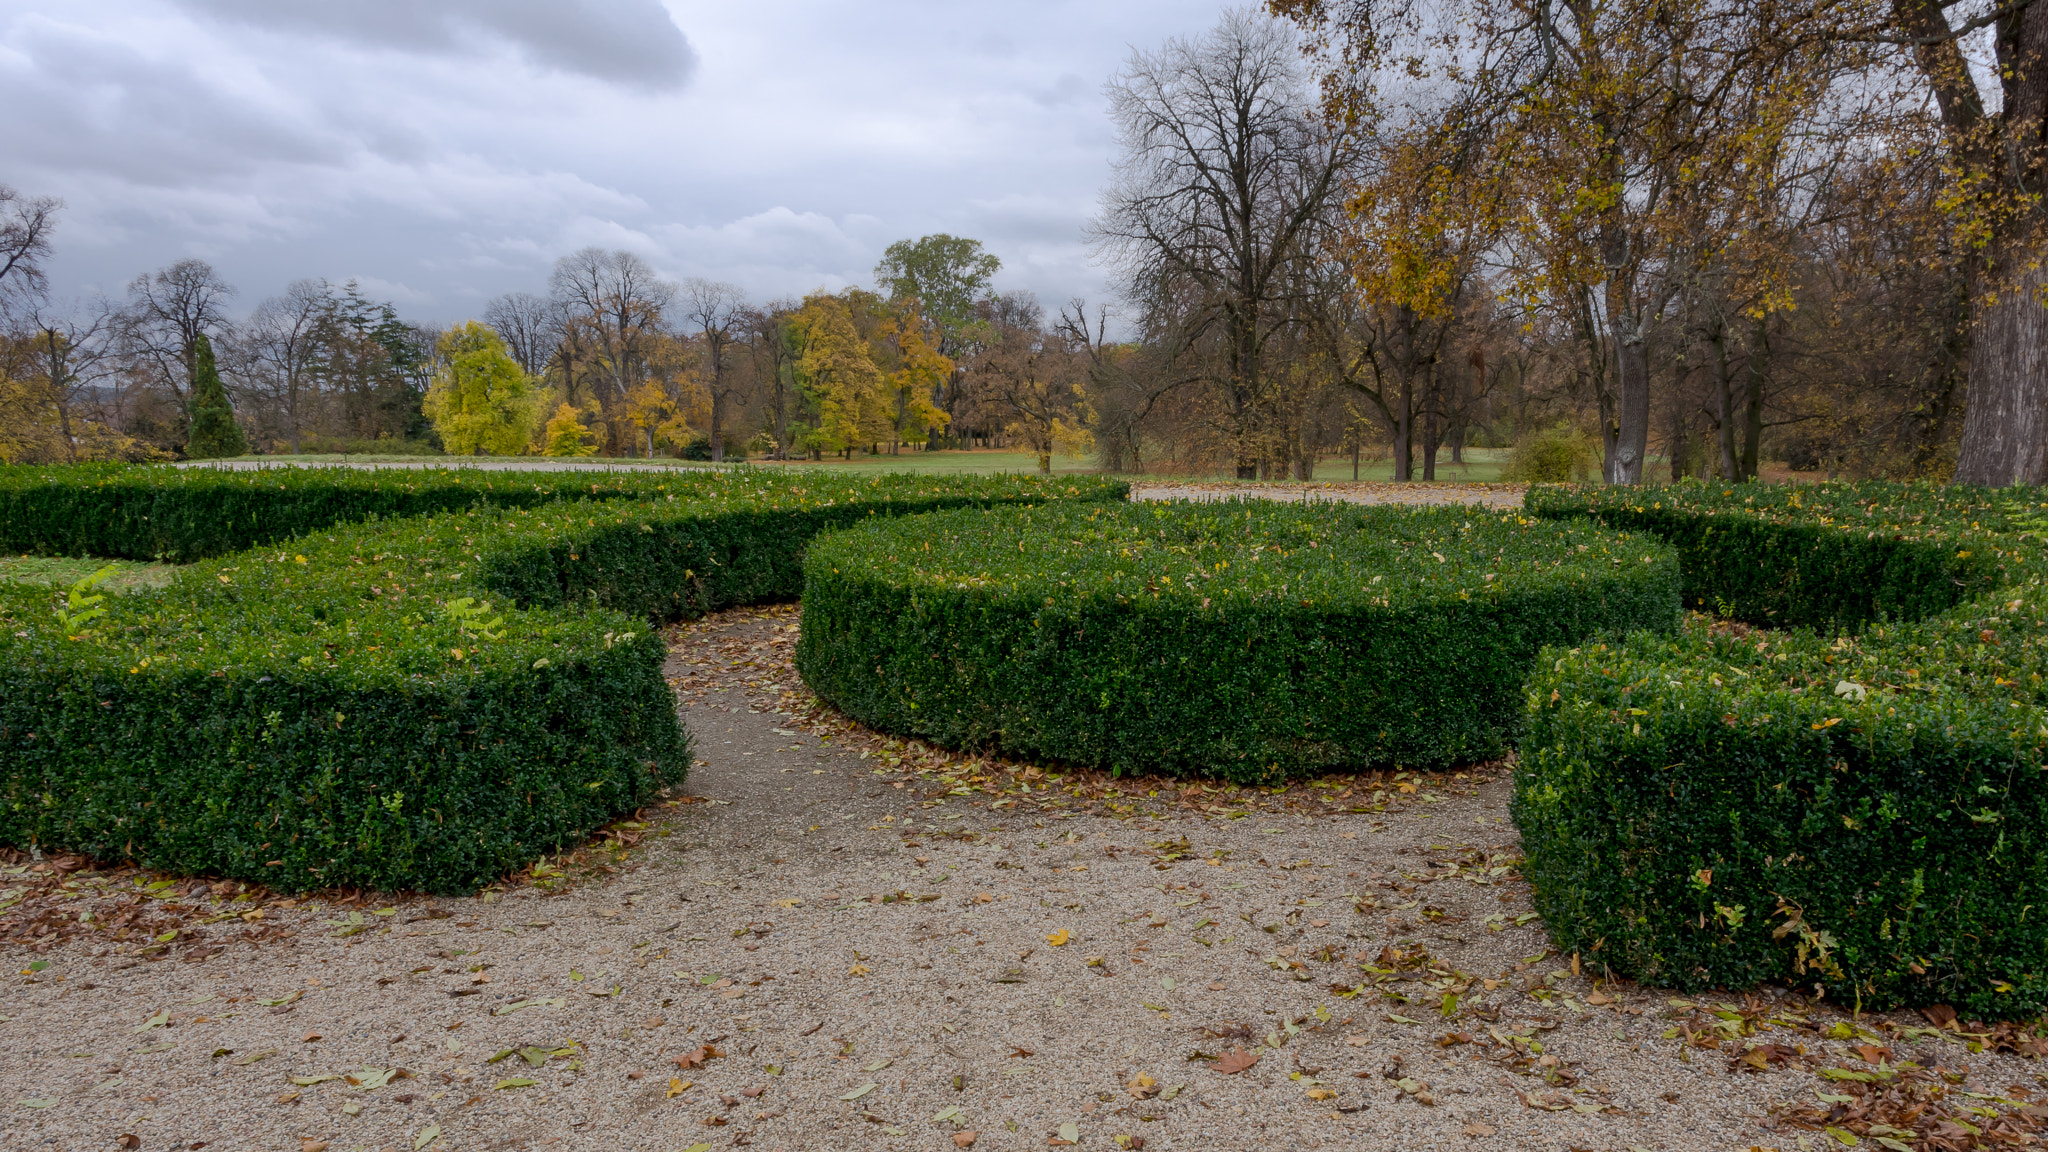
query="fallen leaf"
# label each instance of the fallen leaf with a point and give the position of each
(1071, 1133)
(515, 1082)
(1597, 997)
(1142, 1087)
(859, 1092)
(677, 1087)
(1216, 987)
(425, 1137)
(695, 1057)
(1478, 1128)
(964, 1139)
(311, 1145)
(128, 1140)
(253, 1057)
(40, 1102)
(1321, 1094)
(309, 1081)
(1058, 938)
(157, 1021)
(1234, 1061)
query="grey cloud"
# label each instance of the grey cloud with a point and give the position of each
(630, 42)
(78, 102)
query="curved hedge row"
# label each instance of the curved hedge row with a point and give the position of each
(341, 708)
(1863, 812)
(1247, 640)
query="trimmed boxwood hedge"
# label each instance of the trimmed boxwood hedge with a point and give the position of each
(319, 709)
(1863, 810)
(1244, 640)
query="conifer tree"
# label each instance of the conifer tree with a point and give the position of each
(214, 433)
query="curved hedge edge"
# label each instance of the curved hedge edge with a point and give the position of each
(1864, 815)
(1157, 639)
(319, 715)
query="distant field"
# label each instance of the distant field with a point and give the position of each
(1482, 464)
(63, 571)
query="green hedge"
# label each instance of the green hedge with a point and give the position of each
(1861, 811)
(315, 711)
(1248, 641)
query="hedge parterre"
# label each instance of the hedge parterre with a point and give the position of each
(1244, 640)
(1857, 804)
(420, 702)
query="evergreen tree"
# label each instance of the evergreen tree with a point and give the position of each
(214, 433)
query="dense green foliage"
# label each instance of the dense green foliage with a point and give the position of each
(213, 431)
(1247, 640)
(1861, 811)
(422, 702)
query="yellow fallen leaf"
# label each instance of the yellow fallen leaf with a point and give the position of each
(858, 970)
(677, 1087)
(1321, 1094)
(1058, 938)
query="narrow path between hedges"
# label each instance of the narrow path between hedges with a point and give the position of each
(835, 940)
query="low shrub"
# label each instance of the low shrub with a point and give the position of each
(1862, 811)
(1553, 455)
(1247, 641)
(413, 703)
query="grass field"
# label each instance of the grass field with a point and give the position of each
(63, 571)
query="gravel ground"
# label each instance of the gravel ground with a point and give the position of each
(827, 944)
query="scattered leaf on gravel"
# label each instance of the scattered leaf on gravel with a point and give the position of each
(515, 1082)
(43, 1102)
(425, 1137)
(695, 1057)
(1478, 1128)
(309, 1081)
(859, 1092)
(1234, 1061)
(537, 1002)
(676, 1087)
(964, 1139)
(157, 1021)
(254, 1057)
(1071, 1133)
(1058, 938)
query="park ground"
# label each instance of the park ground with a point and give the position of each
(830, 939)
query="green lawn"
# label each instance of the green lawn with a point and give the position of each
(63, 571)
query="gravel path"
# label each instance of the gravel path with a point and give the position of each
(839, 941)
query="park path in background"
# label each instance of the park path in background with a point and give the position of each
(1336, 491)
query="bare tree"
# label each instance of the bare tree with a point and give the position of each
(284, 349)
(619, 299)
(25, 226)
(73, 353)
(168, 310)
(1225, 180)
(530, 327)
(718, 313)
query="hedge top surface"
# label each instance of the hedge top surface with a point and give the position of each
(352, 599)
(1244, 640)
(1224, 555)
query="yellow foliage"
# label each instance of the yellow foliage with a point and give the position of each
(565, 434)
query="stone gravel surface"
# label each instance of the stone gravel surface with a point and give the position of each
(814, 952)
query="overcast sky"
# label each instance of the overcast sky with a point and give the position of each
(444, 151)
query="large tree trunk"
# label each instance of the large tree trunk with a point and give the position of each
(1724, 402)
(1631, 438)
(1753, 399)
(2005, 423)
(1404, 433)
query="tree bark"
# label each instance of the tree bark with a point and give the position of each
(2005, 423)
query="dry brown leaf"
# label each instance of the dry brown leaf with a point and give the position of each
(1234, 1061)
(964, 1139)
(1142, 1087)
(695, 1057)
(1478, 1128)
(311, 1145)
